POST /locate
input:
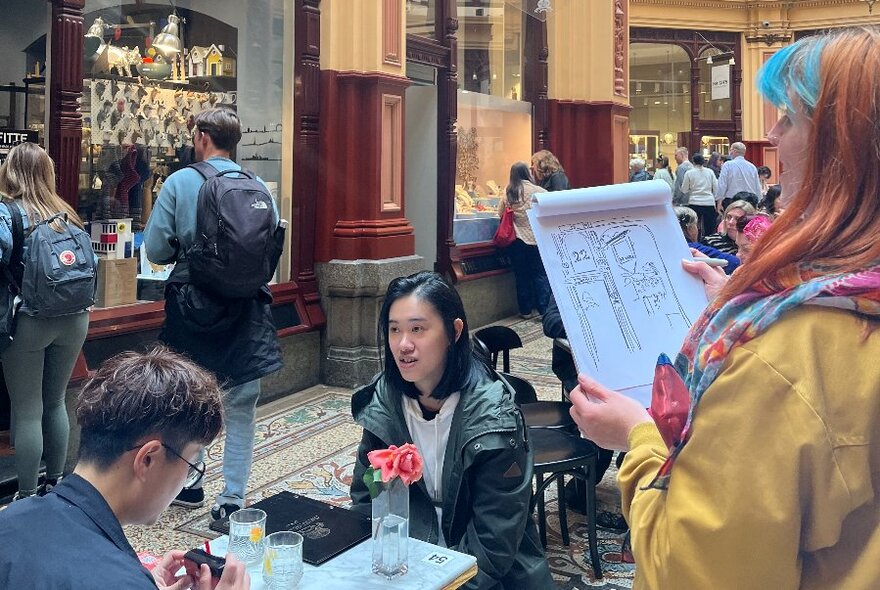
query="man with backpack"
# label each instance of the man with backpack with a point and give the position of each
(221, 227)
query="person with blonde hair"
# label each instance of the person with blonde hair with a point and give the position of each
(38, 363)
(548, 172)
(774, 479)
(725, 239)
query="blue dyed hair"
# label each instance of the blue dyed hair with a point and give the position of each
(791, 78)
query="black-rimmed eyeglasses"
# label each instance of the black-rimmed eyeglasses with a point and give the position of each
(196, 471)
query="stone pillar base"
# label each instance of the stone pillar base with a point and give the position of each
(352, 292)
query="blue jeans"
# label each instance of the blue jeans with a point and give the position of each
(240, 413)
(532, 284)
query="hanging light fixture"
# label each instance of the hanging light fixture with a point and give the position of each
(168, 42)
(638, 86)
(709, 60)
(732, 61)
(870, 5)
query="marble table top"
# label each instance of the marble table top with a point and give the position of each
(430, 568)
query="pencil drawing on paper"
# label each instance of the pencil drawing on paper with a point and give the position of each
(615, 276)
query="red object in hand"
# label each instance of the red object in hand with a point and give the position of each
(670, 402)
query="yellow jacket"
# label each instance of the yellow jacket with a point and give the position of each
(778, 486)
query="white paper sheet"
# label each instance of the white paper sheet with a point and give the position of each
(613, 256)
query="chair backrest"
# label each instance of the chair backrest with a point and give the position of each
(524, 392)
(499, 339)
(482, 352)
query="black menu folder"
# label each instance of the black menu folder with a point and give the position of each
(327, 530)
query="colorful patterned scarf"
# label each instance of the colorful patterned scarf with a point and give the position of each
(750, 314)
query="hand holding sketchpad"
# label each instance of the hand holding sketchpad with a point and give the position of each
(613, 255)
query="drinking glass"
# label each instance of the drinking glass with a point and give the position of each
(283, 560)
(247, 531)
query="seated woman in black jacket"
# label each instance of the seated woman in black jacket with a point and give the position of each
(476, 488)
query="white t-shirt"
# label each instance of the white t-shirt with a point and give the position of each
(431, 438)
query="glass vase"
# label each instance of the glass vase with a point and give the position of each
(391, 529)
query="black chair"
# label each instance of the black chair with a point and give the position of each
(539, 414)
(558, 453)
(498, 339)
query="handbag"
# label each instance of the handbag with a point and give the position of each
(506, 233)
(10, 300)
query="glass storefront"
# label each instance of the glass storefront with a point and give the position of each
(494, 124)
(149, 69)
(660, 94)
(22, 73)
(420, 18)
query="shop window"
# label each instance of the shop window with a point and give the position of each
(22, 71)
(420, 18)
(149, 68)
(710, 144)
(494, 126)
(660, 94)
(490, 48)
(716, 85)
(493, 134)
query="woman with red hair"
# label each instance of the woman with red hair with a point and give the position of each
(774, 481)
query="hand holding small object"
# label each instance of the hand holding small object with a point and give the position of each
(713, 277)
(605, 416)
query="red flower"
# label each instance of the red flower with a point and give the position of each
(408, 463)
(404, 462)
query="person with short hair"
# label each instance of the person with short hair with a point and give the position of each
(434, 392)
(773, 480)
(235, 339)
(681, 159)
(737, 175)
(145, 418)
(637, 172)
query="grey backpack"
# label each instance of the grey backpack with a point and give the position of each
(59, 276)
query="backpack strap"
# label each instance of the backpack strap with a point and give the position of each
(205, 169)
(14, 271)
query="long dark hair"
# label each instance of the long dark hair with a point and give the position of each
(463, 370)
(518, 173)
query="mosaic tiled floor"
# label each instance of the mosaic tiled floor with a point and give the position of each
(306, 444)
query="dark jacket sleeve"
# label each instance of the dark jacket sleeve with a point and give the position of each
(501, 489)
(552, 321)
(558, 181)
(360, 496)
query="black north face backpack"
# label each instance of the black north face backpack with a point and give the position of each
(238, 241)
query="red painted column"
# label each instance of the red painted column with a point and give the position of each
(65, 87)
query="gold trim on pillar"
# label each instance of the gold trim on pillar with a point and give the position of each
(392, 152)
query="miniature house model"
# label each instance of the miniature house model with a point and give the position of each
(113, 238)
(210, 61)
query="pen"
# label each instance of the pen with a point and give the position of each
(711, 261)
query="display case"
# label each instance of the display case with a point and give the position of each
(493, 134)
(149, 69)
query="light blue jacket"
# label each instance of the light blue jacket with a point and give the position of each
(6, 232)
(174, 214)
